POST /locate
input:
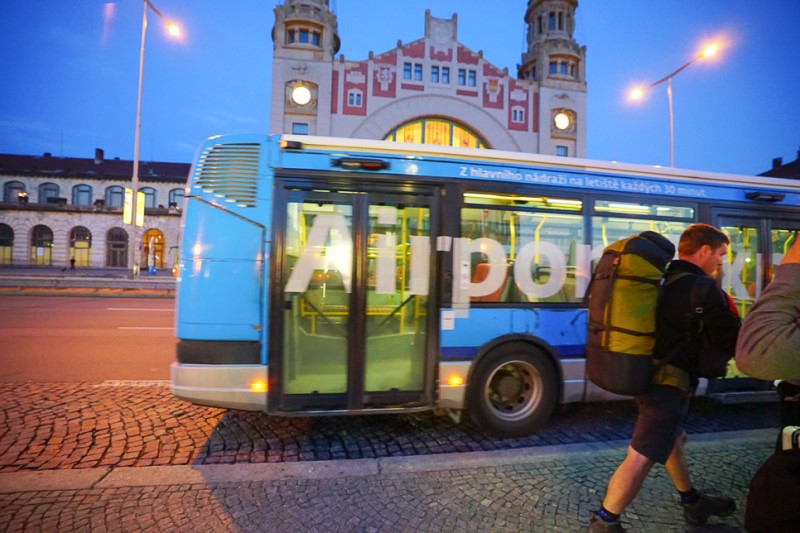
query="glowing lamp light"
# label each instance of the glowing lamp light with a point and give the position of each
(637, 93)
(455, 381)
(710, 50)
(174, 29)
(258, 386)
(301, 95)
(561, 121)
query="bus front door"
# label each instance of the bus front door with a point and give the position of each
(356, 325)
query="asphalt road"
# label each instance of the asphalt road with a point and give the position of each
(75, 339)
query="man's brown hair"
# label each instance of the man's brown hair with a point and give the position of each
(698, 235)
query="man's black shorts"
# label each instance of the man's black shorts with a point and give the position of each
(661, 413)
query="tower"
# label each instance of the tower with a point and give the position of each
(305, 40)
(556, 62)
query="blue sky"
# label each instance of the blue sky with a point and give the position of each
(70, 73)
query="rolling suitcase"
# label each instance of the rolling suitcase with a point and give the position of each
(791, 437)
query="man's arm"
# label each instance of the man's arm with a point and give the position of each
(769, 342)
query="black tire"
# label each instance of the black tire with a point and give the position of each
(513, 390)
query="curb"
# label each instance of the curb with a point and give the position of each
(106, 478)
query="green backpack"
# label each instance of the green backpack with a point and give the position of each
(623, 297)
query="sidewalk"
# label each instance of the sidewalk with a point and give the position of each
(51, 281)
(551, 488)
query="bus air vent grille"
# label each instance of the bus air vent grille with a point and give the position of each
(230, 171)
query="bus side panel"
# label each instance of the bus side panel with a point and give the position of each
(564, 330)
(220, 285)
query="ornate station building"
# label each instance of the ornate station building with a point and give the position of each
(433, 90)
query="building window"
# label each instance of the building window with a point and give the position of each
(153, 249)
(406, 71)
(149, 196)
(541, 24)
(12, 191)
(551, 21)
(304, 36)
(560, 20)
(6, 244)
(417, 71)
(41, 246)
(436, 131)
(114, 196)
(80, 246)
(117, 248)
(47, 191)
(471, 79)
(553, 67)
(434, 74)
(300, 128)
(446, 75)
(517, 114)
(82, 195)
(176, 197)
(354, 98)
(562, 151)
(563, 68)
(462, 77)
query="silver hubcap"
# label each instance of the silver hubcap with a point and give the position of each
(514, 390)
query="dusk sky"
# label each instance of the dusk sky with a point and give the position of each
(70, 73)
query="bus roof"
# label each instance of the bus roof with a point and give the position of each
(567, 164)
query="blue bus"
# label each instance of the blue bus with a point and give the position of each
(323, 276)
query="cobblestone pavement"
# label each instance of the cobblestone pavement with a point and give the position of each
(128, 456)
(45, 426)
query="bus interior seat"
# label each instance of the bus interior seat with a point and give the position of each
(481, 273)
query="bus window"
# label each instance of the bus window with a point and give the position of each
(743, 266)
(781, 240)
(520, 255)
(618, 220)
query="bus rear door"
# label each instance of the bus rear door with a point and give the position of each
(758, 242)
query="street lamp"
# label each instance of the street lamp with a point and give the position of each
(638, 93)
(175, 31)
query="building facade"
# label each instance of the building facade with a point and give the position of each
(55, 210)
(434, 90)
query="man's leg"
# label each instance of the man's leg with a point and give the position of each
(697, 508)
(676, 465)
(626, 482)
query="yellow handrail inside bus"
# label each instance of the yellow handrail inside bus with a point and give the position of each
(536, 238)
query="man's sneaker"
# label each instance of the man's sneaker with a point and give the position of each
(697, 513)
(598, 525)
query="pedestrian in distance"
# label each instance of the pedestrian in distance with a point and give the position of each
(687, 348)
(769, 348)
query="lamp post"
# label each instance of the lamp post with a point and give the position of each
(174, 30)
(638, 93)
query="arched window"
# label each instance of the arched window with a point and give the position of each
(115, 196)
(82, 195)
(176, 197)
(149, 196)
(80, 246)
(436, 131)
(12, 190)
(6, 244)
(153, 249)
(41, 245)
(47, 191)
(117, 248)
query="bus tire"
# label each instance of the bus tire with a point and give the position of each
(513, 390)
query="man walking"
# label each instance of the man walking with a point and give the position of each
(658, 436)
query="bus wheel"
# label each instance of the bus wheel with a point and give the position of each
(513, 390)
